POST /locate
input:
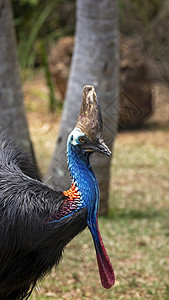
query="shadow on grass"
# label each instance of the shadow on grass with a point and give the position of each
(166, 292)
(134, 213)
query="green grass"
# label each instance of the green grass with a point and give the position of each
(136, 232)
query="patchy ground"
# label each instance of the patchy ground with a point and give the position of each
(136, 233)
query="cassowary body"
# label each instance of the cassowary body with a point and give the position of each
(36, 221)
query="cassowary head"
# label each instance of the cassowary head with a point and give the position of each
(88, 131)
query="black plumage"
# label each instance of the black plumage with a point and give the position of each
(29, 245)
(36, 221)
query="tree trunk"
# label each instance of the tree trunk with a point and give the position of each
(95, 61)
(12, 113)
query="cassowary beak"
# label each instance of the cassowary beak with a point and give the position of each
(102, 148)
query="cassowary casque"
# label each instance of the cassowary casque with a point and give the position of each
(36, 221)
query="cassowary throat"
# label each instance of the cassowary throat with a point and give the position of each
(37, 221)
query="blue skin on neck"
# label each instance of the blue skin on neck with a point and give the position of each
(85, 181)
(83, 177)
(82, 173)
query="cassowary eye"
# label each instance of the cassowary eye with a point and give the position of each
(82, 139)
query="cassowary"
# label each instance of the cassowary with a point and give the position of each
(36, 221)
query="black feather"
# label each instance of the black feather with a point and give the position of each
(29, 246)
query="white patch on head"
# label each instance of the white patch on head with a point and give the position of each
(76, 133)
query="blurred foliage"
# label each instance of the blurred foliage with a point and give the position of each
(37, 20)
(132, 14)
(38, 23)
(147, 22)
(146, 19)
(45, 64)
(50, 20)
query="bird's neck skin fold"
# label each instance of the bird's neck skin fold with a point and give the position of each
(83, 178)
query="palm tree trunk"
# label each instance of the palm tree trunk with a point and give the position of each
(95, 61)
(12, 113)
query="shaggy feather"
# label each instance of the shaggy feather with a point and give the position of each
(29, 246)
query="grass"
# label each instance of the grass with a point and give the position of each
(136, 232)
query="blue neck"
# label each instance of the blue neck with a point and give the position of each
(83, 176)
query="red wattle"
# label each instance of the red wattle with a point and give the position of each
(105, 267)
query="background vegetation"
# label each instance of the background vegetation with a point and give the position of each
(136, 233)
(41, 20)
